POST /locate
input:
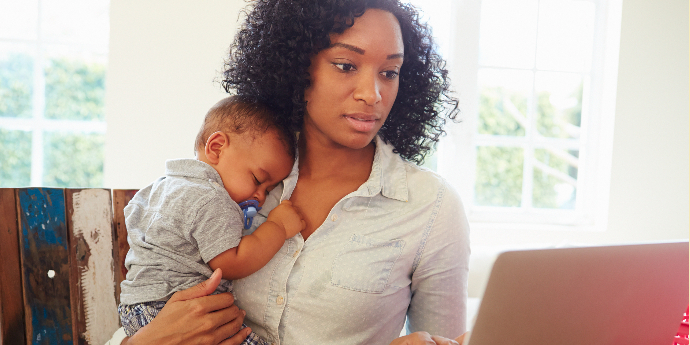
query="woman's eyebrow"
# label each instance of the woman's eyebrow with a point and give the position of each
(355, 49)
(361, 51)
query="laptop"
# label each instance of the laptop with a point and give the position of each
(626, 294)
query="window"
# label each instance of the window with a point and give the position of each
(52, 87)
(536, 83)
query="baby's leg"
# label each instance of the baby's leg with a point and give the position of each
(135, 316)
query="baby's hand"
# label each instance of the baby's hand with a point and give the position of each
(288, 217)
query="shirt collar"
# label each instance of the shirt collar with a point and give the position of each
(192, 168)
(388, 175)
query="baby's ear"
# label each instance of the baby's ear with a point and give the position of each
(215, 143)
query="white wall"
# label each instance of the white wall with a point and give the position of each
(650, 172)
(164, 56)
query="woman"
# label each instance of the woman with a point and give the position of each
(384, 239)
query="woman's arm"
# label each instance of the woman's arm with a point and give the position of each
(192, 316)
(439, 281)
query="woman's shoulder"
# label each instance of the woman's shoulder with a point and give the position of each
(424, 180)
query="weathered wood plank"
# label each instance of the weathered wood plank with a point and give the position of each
(121, 198)
(92, 246)
(11, 299)
(45, 265)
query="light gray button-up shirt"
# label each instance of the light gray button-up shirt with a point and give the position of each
(398, 246)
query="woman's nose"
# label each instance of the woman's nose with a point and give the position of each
(367, 89)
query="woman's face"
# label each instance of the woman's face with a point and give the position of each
(354, 82)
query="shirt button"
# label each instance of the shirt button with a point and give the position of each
(334, 218)
(280, 300)
(295, 254)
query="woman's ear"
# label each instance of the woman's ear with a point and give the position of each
(214, 145)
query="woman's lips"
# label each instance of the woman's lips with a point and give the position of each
(361, 122)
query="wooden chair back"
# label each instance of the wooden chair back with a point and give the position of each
(62, 257)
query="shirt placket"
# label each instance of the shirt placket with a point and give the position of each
(277, 292)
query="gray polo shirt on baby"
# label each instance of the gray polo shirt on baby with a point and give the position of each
(175, 226)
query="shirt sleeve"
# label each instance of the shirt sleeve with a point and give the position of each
(217, 227)
(439, 282)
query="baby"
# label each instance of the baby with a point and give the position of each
(188, 223)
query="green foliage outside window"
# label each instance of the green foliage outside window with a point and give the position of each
(15, 161)
(550, 191)
(499, 176)
(552, 123)
(73, 160)
(495, 108)
(16, 80)
(74, 90)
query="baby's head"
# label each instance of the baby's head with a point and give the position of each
(251, 153)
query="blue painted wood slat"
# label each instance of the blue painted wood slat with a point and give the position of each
(45, 265)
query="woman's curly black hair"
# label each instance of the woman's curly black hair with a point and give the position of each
(271, 54)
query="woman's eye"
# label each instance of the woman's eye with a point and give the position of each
(390, 74)
(345, 67)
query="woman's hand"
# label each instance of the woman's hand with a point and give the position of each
(192, 316)
(424, 338)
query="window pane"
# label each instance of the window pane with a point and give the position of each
(83, 22)
(566, 32)
(19, 19)
(499, 176)
(508, 33)
(16, 81)
(503, 101)
(559, 99)
(73, 159)
(555, 178)
(75, 88)
(15, 167)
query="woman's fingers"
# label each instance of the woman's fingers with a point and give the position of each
(212, 303)
(228, 319)
(238, 338)
(231, 332)
(443, 341)
(416, 338)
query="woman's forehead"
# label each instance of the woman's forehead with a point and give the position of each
(376, 29)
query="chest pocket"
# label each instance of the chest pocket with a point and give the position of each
(365, 264)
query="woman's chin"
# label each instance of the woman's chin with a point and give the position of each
(357, 140)
(354, 140)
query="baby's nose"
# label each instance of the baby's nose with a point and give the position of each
(260, 197)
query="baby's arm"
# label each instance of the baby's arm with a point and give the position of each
(257, 249)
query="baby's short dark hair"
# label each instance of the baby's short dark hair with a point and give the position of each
(239, 114)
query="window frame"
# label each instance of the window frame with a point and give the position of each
(456, 155)
(38, 124)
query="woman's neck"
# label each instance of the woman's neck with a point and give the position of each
(326, 160)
